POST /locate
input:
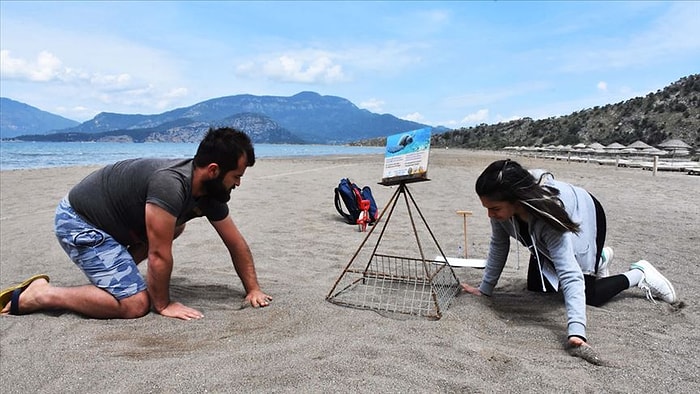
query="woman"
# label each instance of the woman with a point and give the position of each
(564, 228)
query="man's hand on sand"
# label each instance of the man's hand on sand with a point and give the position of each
(257, 298)
(179, 311)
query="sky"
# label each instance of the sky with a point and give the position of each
(454, 64)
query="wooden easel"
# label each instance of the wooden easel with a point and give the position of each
(390, 283)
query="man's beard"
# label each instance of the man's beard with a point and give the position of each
(215, 189)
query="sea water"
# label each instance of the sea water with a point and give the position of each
(21, 155)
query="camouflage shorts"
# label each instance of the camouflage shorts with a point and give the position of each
(106, 262)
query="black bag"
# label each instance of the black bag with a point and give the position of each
(352, 195)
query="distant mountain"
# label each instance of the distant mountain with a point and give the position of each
(305, 117)
(18, 118)
(260, 128)
(314, 118)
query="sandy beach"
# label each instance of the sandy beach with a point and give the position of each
(511, 342)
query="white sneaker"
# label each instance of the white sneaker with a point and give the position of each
(606, 257)
(655, 284)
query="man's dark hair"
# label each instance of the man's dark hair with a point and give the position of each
(224, 146)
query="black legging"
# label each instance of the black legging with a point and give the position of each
(598, 291)
(601, 290)
(601, 225)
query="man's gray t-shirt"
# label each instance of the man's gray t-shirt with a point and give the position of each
(114, 198)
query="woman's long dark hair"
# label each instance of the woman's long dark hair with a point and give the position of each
(506, 180)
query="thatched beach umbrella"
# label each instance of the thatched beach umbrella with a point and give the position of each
(676, 147)
(651, 151)
(674, 144)
(597, 147)
(615, 147)
(639, 145)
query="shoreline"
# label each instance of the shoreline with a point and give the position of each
(688, 163)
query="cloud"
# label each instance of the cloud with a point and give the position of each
(167, 98)
(308, 67)
(114, 82)
(479, 116)
(500, 118)
(676, 31)
(120, 90)
(422, 22)
(373, 104)
(494, 95)
(673, 34)
(437, 17)
(341, 64)
(389, 58)
(49, 68)
(77, 112)
(45, 68)
(602, 86)
(414, 117)
(176, 93)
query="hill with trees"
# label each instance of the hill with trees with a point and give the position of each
(669, 113)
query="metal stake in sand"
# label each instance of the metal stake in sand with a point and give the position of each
(466, 245)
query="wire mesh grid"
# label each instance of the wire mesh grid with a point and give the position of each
(398, 284)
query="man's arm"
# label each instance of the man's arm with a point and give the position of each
(160, 228)
(242, 260)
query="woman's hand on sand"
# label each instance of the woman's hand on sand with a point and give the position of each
(579, 348)
(470, 289)
(179, 311)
